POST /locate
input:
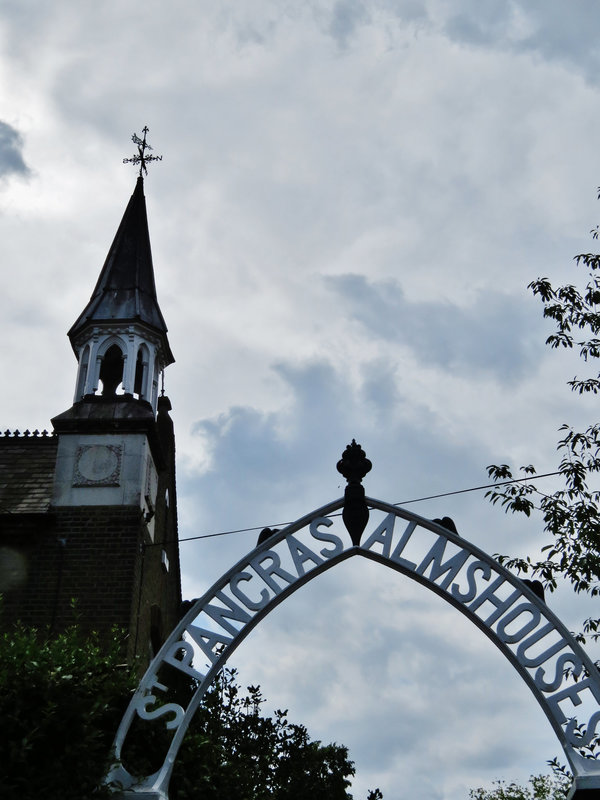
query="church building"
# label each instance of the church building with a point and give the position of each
(88, 513)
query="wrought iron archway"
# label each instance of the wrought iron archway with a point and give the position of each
(561, 676)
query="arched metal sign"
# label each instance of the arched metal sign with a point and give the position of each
(563, 679)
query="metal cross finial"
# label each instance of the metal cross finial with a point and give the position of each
(141, 158)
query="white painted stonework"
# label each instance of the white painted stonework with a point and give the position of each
(131, 339)
(105, 470)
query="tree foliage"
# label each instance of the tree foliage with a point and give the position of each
(571, 514)
(234, 751)
(61, 700)
(539, 787)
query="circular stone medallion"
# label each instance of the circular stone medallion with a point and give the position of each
(98, 464)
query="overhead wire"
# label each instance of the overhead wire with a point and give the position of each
(401, 503)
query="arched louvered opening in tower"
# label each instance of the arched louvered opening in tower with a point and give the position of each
(111, 371)
(140, 385)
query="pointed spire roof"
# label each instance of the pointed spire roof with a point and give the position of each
(126, 290)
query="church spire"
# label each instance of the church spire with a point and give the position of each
(125, 289)
(120, 337)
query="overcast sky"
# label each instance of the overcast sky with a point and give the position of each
(352, 201)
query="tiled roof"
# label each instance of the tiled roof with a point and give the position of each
(27, 464)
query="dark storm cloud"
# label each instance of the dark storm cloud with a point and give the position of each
(272, 467)
(488, 336)
(546, 27)
(345, 17)
(379, 389)
(257, 462)
(11, 146)
(489, 25)
(266, 467)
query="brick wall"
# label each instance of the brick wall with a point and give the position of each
(85, 554)
(102, 557)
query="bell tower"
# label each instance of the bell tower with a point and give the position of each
(114, 481)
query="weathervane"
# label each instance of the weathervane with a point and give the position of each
(141, 158)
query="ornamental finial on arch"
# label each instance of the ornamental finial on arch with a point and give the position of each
(354, 463)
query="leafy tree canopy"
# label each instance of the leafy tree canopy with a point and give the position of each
(571, 514)
(233, 751)
(61, 700)
(539, 787)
